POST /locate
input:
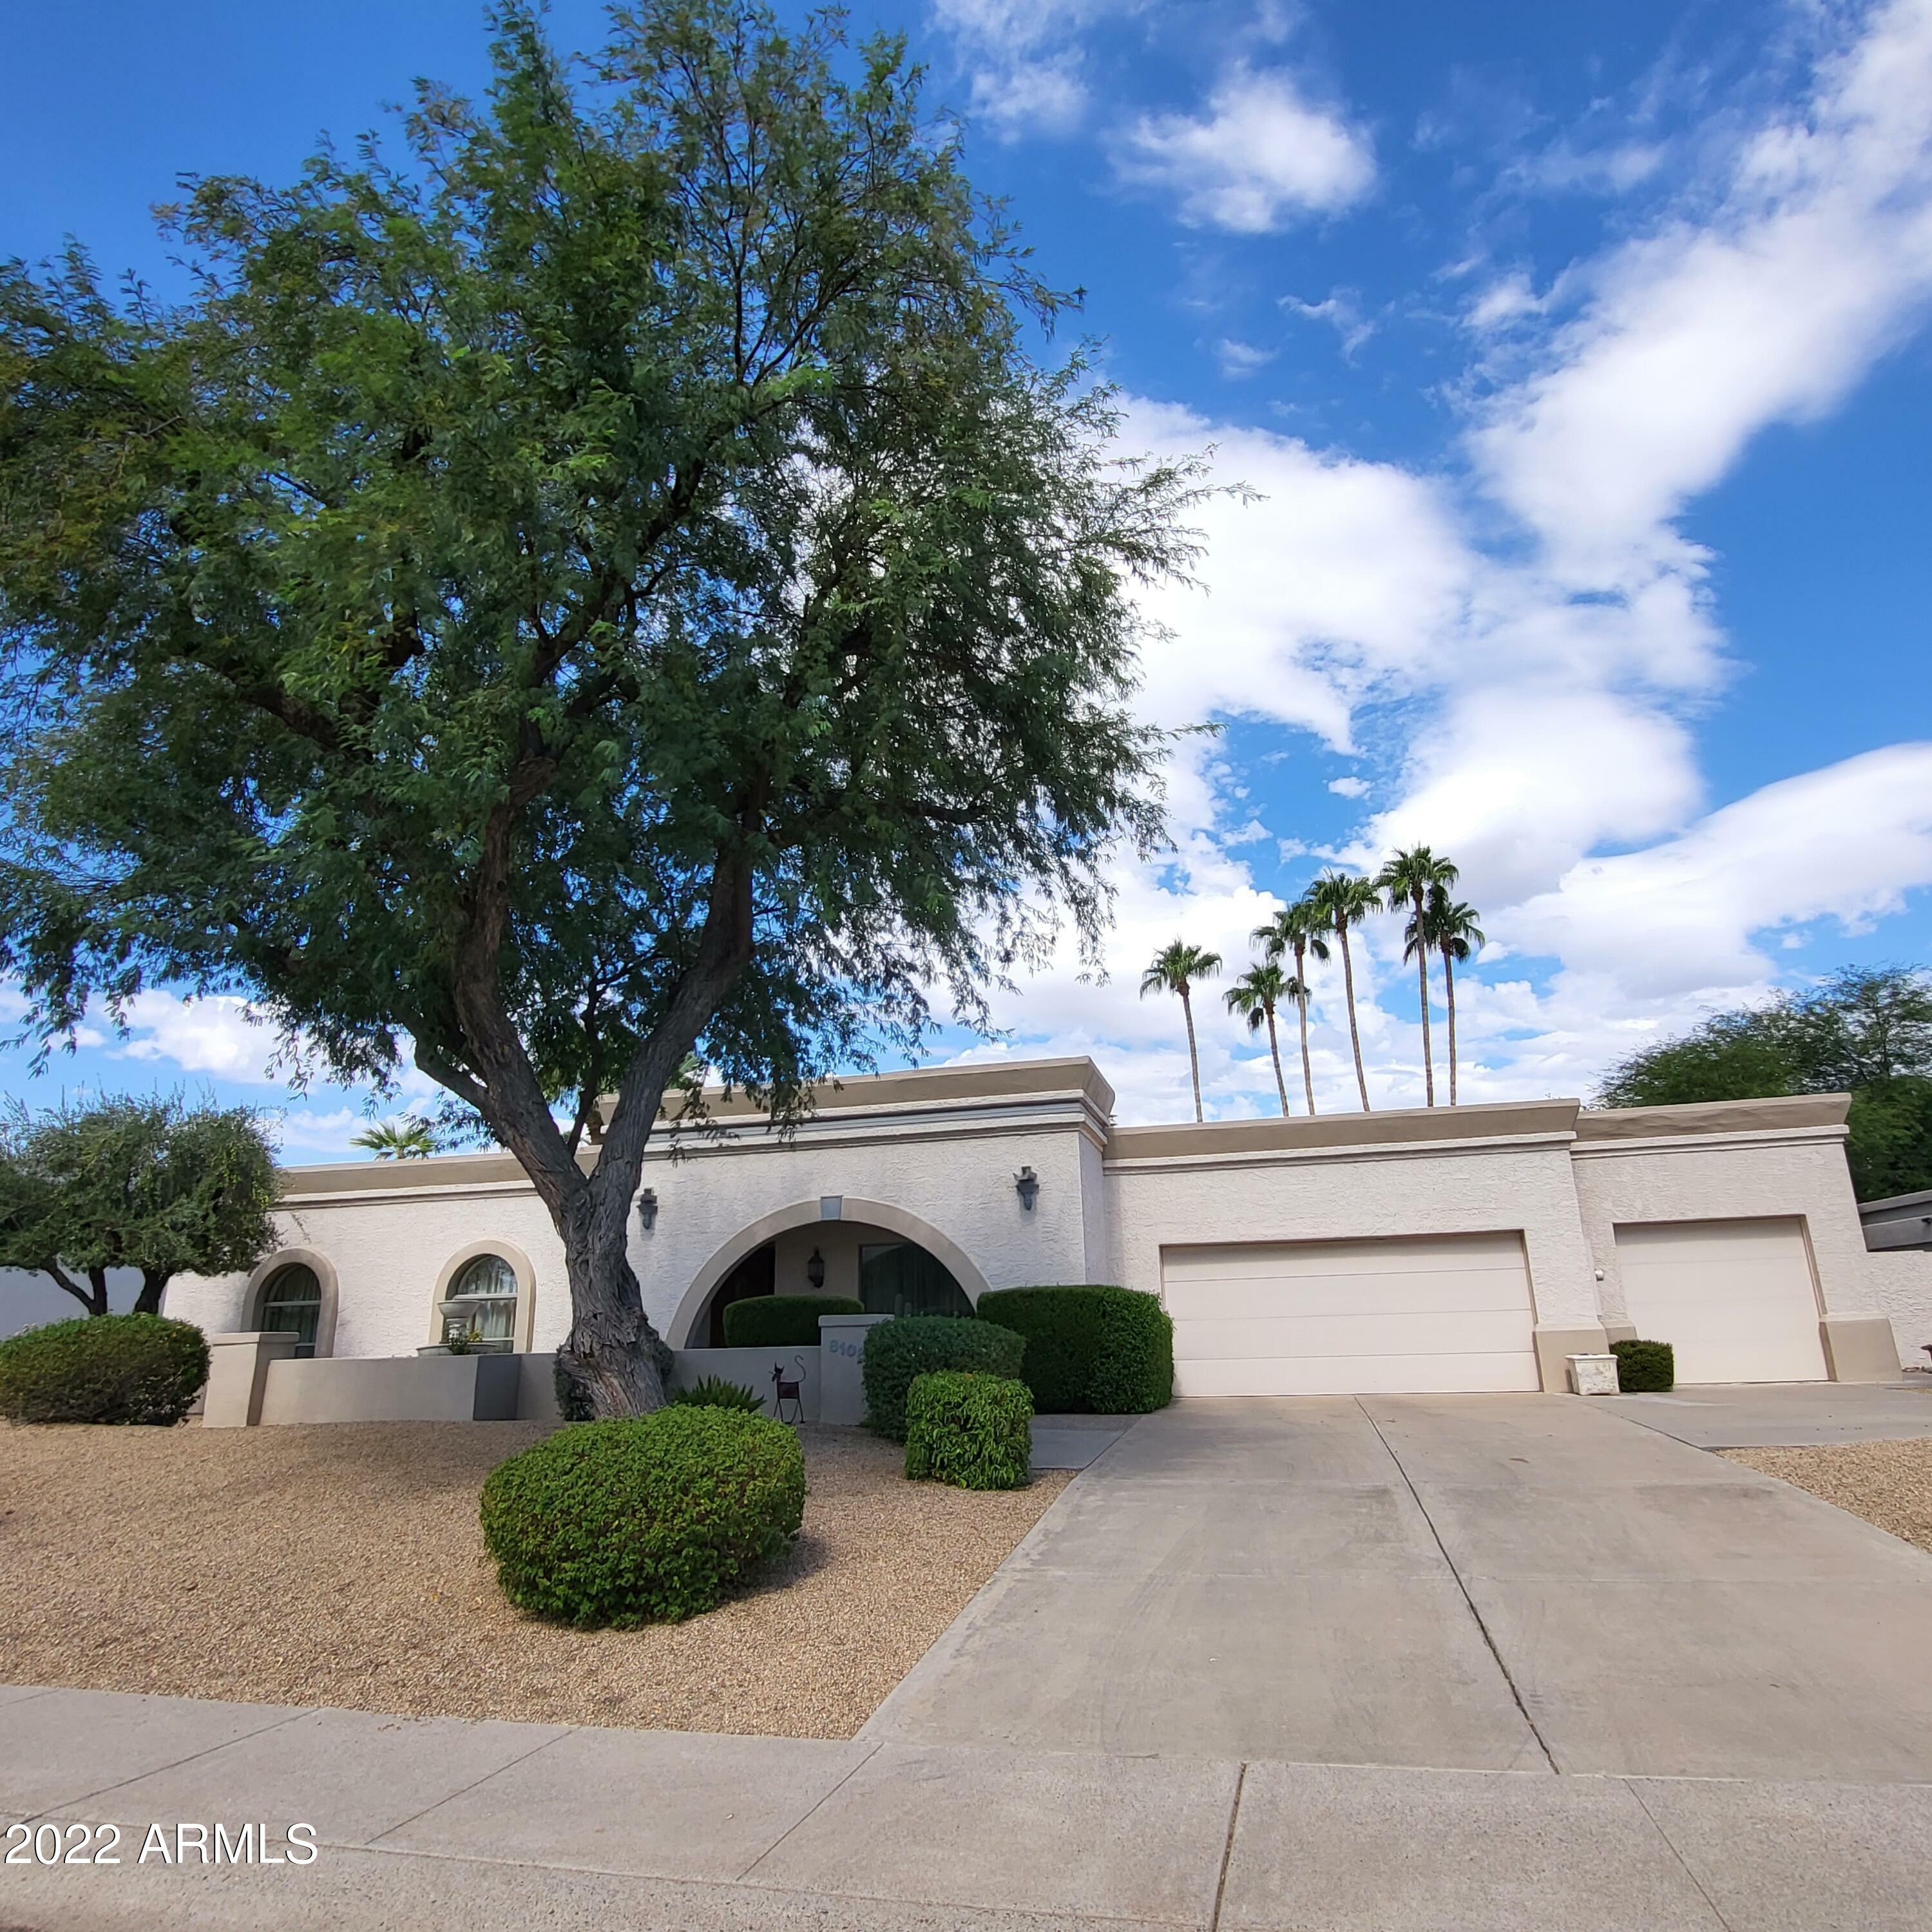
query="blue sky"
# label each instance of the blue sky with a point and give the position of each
(1576, 359)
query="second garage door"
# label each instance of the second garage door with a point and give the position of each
(1734, 1299)
(1425, 1314)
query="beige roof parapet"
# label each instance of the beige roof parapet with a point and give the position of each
(1713, 1116)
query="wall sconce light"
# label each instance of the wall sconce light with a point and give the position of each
(1027, 1184)
(814, 1270)
(647, 1208)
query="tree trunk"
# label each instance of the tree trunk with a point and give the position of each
(1193, 1059)
(1354, 1035)
(1274, 1054)
(93, 1298)
(612, 1353)
(1422, 980)
(1301, 1007)
(153, 1281)
(1449, 989)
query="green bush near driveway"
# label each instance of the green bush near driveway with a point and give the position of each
(649, 1519)
(973, 1431)
(782, 1321)
(715, 1392)
(1644, 1367)
(103, 1368)
(1090, 1348)
(897, 1352)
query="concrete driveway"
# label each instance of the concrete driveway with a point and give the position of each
(1522, 1583)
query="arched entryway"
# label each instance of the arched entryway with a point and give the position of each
(891, 1262)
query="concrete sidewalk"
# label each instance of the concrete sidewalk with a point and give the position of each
(435, 1824)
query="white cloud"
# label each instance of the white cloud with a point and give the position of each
(1764, 306)
(1239, 360)
(1262, 156)
(1349, 788)
(1845, 843)
(219, 1036)
(1025, 58)
(1341, 309)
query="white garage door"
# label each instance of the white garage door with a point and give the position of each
(1432, 1313)
(1733, 1298)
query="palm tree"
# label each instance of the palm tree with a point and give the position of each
(1175, 968)
(1343, 899)
(1451, 929)
(1297, 928)
(407, 1138)
(1254, 996)
(1412, 876)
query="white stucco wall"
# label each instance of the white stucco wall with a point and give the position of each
(1901, 1288)
(1356, 1193)
(1800, 1173)
(946, 1177)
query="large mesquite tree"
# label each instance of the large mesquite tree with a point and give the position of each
(612, 585)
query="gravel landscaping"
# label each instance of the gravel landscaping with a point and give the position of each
(1889, 1483)
(342, 1565)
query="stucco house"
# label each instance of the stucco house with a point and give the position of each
(1469, 1248)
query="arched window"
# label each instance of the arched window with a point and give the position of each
(482, 1303)
(291, 1303)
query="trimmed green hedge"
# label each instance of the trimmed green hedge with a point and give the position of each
(899, 1352)
(103, 1368)
(1643, 1367)
(974, 1432)
(782, 1321)
(650, 1519)
(1090, 1348)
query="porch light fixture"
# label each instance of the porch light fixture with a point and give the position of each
(1026, 1183)
(647, 1208)
(814, 1270)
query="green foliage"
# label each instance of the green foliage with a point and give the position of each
(1890, 1143)
(147, 1183)
(782, 1321)
(104, 1368)
(1645, 1366)
(613, 581)
(408, 1139)
(973, 1431)
(1133, 1368)
(715, 1392)
(1866, 1031)
(1090, 1348)
(650, 1519)
(898, 1352)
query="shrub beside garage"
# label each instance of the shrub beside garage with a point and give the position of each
(103, 1368)
(1091, 1349)
(1644, 1368)
(649, 1519)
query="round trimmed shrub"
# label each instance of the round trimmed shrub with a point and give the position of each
(1090, 1347)
(974, 1432)
(1644, 1368)
(899, 1352)
(782, 1321)
(650, 1519)
(103, 1368)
